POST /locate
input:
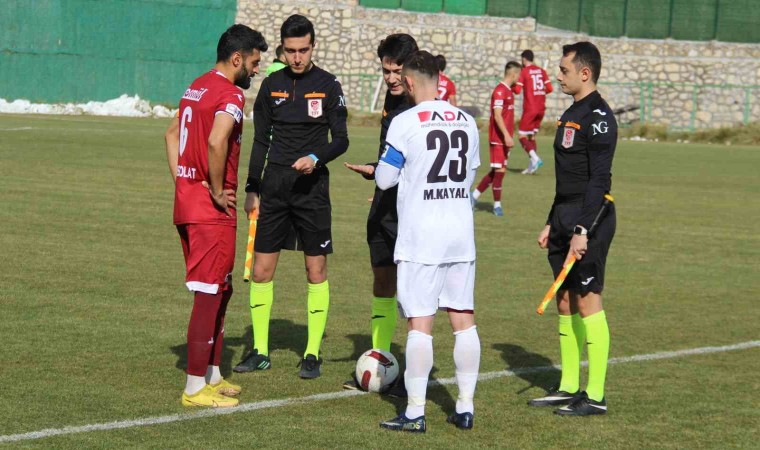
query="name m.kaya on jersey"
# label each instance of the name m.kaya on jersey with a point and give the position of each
(432, 153)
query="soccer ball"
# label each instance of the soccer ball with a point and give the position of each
(376, 370)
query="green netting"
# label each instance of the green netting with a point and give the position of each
(422, 5)
(693, 20)
(603, 17)
(393, 4)
(77, 50)
(738, 21)
(467, 7)
(508, 8)
(648, 19)
(559, 13)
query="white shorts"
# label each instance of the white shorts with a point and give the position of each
(424, 288)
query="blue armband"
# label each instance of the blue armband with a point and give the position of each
(314, 157)
(393, 157)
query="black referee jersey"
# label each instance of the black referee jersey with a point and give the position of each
(292, 115)
(583, 149)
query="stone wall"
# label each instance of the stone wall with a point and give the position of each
(683, 84)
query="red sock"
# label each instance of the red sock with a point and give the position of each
(534, 145)
(525, 144)
(200, 332)
(486, 181)
(216, 351)
(497, 182)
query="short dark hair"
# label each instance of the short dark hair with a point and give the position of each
(527, 54)
(397, 48)
(239, 38)
(586, 55)
(440, 60)
(278, 52)
(511, 65)
(423, 63)
(297, 26)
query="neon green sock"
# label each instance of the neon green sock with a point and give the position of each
(598, 341)
(384, 315)
(262, 295)
(319, 304)
(571, 338)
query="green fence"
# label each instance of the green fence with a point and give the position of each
(78, 50)
(724, 20)
(680, 106)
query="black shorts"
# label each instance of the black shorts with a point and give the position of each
(382, 227)
(587, 274)
(295, 212)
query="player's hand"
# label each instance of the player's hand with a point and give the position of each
(543, 237)
(578, 247)
(223, 200)
(251, 202)
(363, 169)
(305, 165)
(508, 141)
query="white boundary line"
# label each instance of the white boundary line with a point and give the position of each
(50, 432)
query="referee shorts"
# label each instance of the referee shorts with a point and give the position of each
(587, 274)
(382, 227)
(296, 207)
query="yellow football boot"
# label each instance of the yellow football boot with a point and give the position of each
(207, 397)
(226, 388)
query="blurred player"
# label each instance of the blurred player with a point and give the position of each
(295, 111)
(382, 222)
(432, 154)
(583, 150)
(204, 152)
(446, 88)
(279, 62)
(501, 127)
(535, 85)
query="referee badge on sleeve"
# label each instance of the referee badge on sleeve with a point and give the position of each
(568, 136)
(315, 107)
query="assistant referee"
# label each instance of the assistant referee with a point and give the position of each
(583, 150)
(294, 111)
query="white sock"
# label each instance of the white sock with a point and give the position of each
(533, 156)
(213, 375)
(419, 363)
(497, 204)
(475, 194)
(194, 384)
(467, 363)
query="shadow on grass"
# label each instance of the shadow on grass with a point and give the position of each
(509, 169)
(484, 206)
(283, 335)
(536, 369)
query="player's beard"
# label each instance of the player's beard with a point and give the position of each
(243, 79)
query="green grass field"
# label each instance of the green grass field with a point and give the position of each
(94, 309)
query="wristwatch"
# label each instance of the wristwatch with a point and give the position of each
(580, 231)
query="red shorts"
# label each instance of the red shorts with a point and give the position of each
(530, 122)
(499, 155)
(209, 256)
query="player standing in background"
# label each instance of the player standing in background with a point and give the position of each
(432, 154)
(295, 110)
(446, 88)
(501, 127)
(583, 150)
(535, 85)
(204, 155)
(279, 62)
(382, 222)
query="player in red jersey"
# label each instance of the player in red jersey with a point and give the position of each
(204, 152)
(536, 84)
(446, 88)
(501, 127)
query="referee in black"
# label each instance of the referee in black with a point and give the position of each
(382, 222)
(583, 150)
(294, 110)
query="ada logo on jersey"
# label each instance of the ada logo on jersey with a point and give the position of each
(447, 116)
(315, 107)
(568, 136)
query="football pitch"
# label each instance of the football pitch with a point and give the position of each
(94, 310)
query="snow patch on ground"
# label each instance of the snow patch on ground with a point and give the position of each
(124, 106)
